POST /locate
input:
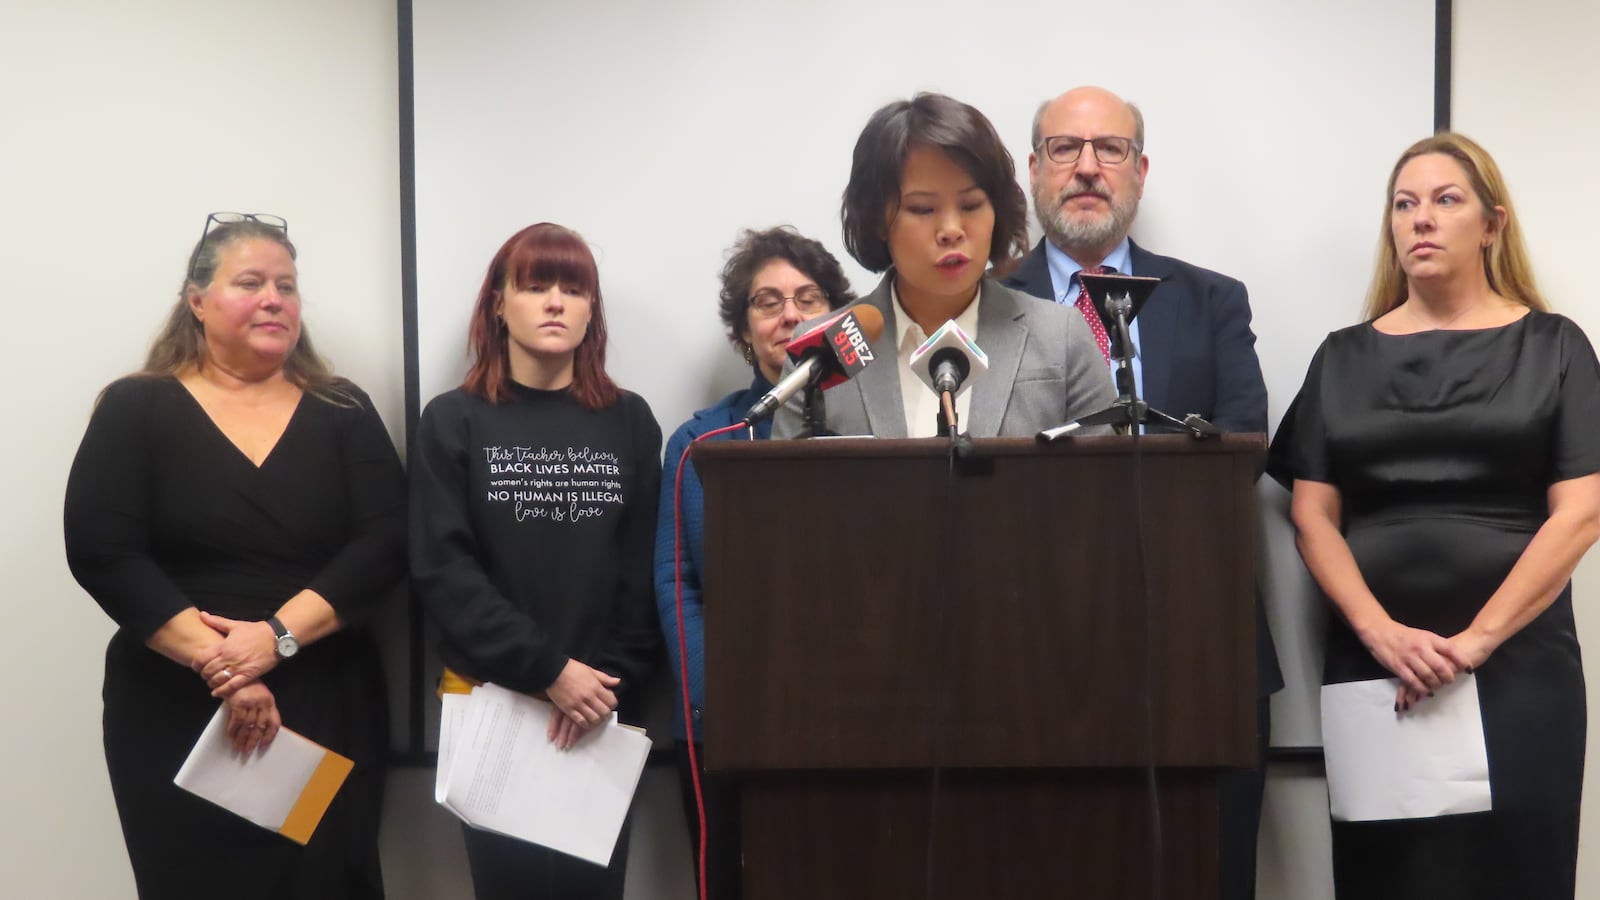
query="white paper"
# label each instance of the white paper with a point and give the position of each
(452, 719)
(262, 786)
(505, 775)
(1428, 761)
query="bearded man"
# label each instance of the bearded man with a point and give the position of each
(1196, 352)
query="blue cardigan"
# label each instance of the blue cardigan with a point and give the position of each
(728, 410)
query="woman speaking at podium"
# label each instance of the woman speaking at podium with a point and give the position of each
(932, 202)
(1444, 456)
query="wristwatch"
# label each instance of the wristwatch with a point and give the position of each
(287, 645)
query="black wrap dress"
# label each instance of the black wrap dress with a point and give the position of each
(163, 513)
(1443, 445)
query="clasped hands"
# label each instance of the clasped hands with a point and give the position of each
(1422, 660)
(585, 698)
(232, 669)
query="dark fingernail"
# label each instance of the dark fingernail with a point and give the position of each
(1469, 670)
(1430, 693)
(1397, 707)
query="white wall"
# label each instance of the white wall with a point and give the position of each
(660, 130)
(124, 124)
(1526, 80)
(1270, 137)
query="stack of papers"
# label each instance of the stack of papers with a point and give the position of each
(499, 772)
(285, 788)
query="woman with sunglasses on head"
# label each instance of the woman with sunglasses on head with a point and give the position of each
(773, 280)
(239, 511)
(534, 489)
(932, 202)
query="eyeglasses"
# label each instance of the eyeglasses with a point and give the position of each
(233, 218)
(1065, 149)
(769, 302)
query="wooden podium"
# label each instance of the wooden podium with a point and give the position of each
(879, 622)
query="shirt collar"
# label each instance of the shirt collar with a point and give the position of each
(903, 323)
(1064, 269)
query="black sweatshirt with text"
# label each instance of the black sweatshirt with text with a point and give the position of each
(532, 529)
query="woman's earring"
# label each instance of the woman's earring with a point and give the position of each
(749, 355)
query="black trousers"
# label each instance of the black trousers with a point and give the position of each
(508, 869)
(1239, 814)
(724, 855)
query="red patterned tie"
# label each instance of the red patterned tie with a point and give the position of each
(1090, 315)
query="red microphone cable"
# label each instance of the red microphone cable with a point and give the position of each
(683, 647)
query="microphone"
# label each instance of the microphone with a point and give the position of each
(947, 359)
(828, 350)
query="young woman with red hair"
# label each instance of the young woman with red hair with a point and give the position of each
(534, 489)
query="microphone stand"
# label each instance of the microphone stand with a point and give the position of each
(961, 446)
(1128, 412)
(949, 424)
(813, 410)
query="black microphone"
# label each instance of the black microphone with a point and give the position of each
(943, 363)
(950, 370)
(947, 358)
(828, 350)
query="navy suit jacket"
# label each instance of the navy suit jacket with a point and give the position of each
(1195, 342)
(1199, 356)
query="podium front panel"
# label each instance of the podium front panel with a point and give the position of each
(869, 605)
(1011, 835)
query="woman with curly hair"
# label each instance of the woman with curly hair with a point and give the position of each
(773, 280)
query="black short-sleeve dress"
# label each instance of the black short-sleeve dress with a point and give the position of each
(163, 513)
(1442, 445)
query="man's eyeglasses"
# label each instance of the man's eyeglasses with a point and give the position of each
(233, 218)
(769, 302)
(1065, 149)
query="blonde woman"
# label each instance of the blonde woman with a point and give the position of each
(1444, 458)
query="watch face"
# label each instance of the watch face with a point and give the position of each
(288, 646)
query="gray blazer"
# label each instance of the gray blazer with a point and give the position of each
(1044, 370)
